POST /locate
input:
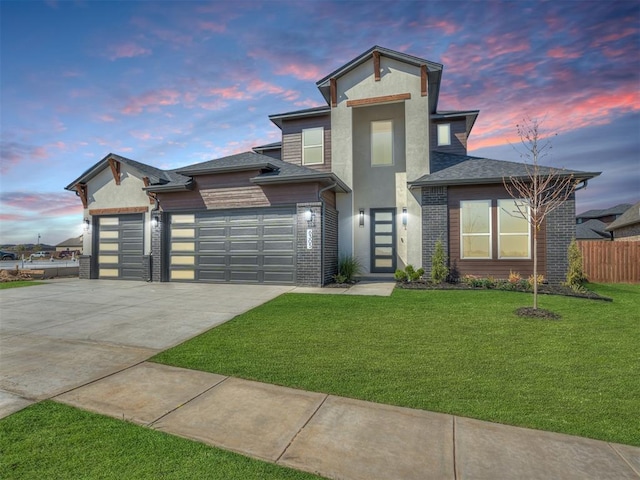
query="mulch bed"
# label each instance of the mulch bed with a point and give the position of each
(542, 289)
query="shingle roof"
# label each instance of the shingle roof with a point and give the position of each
(629, 217)
(452, 169)
(617, 210)
(71, 242)
(155, 175)
(592, 230)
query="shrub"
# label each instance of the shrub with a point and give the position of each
(400, 275)
(439, 269)
(532, 279)
(348, 267)
(489, 282)
(575, 272)
(514, 277)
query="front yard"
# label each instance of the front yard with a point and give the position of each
(464, 353)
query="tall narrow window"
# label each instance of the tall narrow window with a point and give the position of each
(444, 134)
(382, 142)
(475, 229)
(514, 232)
(313, 146)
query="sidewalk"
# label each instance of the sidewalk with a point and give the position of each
(342, 438)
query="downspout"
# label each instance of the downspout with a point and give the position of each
(322, 228)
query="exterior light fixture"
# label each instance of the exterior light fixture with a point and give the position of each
(154, 221)
(309, 216)
(361, 217)
(85, 224)
(404, 216)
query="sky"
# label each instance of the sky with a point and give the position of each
(175, 83)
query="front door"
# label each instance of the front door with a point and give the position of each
(383, 240)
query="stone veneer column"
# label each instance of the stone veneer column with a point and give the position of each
(309, 260)
(561, 228)
(84, 267)
(435, 224)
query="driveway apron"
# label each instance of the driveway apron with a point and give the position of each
(58, 336)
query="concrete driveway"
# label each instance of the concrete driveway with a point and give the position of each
(67, 333)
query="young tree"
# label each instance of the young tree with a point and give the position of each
(541, 190)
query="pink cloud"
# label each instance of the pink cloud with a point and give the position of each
(522, 68)
(561, 52)
(29, 205)
(151, 101)
(144, 135)
(126, 50)
(262, 87)
(229, 93)
(446, 26)
(300, 71)
(106, 118)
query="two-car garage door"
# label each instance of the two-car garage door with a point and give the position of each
(242, 246)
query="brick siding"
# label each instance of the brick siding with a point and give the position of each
(309, 261)
(330, 257)
(561, 228)
(156, 249)
(84, 267)
(434, 223)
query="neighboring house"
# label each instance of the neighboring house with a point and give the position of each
(605, 216)
(627, 226)
(73, 244)
(378, 173)
(592, 230)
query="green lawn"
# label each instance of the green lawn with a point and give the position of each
(50, 440)
(19, 283)
(459, 352)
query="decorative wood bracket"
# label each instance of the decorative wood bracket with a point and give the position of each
(423, 81)
(334, 92)
(81, 191)
(115, 169)
(151, 195)
(376, 65)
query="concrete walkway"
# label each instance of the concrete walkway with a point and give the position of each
(342, 438)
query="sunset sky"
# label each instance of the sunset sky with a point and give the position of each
(175, 83)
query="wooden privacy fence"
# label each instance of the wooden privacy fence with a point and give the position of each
(611, 262)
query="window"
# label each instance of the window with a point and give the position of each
(313, 146)
(382, 142)
(444, 134)
(475, 229)
(513, 229)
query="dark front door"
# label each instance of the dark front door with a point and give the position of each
(383, 240)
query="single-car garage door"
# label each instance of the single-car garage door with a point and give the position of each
(242, 246)
(120, 246)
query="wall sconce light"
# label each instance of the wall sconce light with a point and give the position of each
(85, 224)
(309, 216)
(154, 221)
(361, 217)
(404, 216)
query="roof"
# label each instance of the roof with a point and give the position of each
(272, 170)
(592, 230)
(617, 210)
(71, 242)
(452, 169)
(155, 175)
(268, 146)
(434, 70)
(277, 118)
(630, 217)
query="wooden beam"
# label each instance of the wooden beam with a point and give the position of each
(376, 65)
(151, 195)
(115, 169)
(374, 100)
(81, 191)
(423, 81)
(115, 211)
(334, 92)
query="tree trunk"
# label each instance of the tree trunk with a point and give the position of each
(535, 268)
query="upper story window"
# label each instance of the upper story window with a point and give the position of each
(313, 146)
(475, 229)
(513, 229)
(444, 134)
(382, 142)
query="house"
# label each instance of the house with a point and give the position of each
(605, 216)
(378, 172)
(627, 226)
(73, 244)
(592, 229)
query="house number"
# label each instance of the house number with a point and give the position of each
(309, 238)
